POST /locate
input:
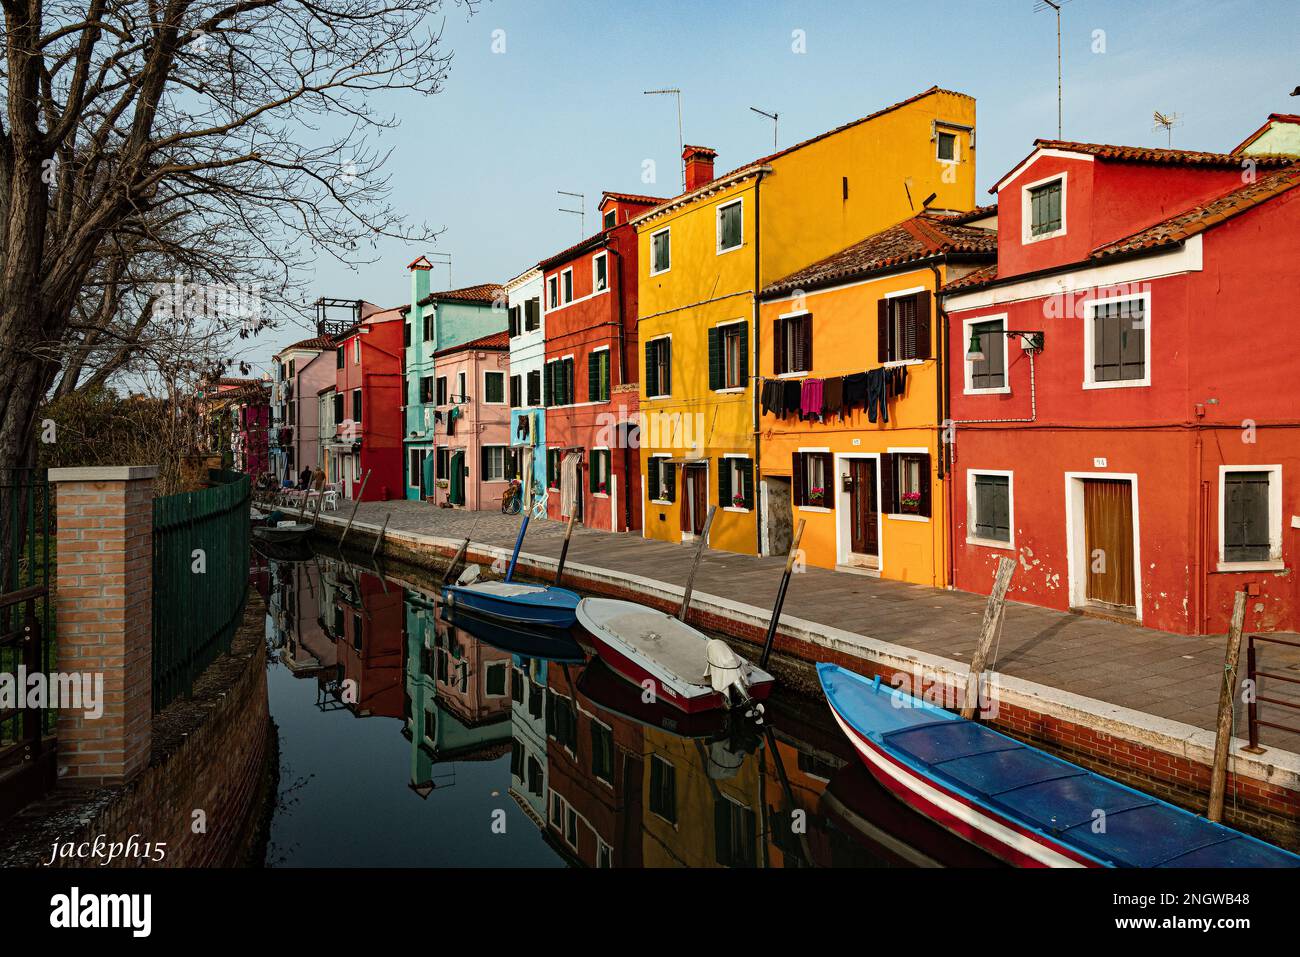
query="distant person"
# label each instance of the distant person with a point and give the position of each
(304, 479)
(318, 478)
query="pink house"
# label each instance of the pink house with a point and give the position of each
(473, 459)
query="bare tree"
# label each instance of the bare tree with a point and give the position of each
(156, 127)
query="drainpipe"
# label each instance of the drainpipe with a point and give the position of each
(940, 408)
(622, 380)
(759, 517)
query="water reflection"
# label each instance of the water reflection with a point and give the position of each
(512, 758)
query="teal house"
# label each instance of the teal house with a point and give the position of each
(437, 321)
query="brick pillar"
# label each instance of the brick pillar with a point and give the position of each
(104, 618)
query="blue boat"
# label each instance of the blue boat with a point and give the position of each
(515, 603)
(1017, 802)
(546, 644)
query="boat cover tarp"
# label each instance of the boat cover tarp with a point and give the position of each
(1114, 823)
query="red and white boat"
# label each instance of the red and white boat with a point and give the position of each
(683, 666)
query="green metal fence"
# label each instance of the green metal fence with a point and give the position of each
(200, 580)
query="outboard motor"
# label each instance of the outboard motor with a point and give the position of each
(469, 575)
(726, 671)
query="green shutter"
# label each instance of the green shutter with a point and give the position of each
(724, 483)
(652, 478)
(593, 377)
(744, 354)
(716, 372)
(547, 388)
(747, 482)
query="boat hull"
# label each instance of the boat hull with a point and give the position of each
(549, 644)
(514, 610)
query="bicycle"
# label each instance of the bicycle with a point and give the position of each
(512, 498)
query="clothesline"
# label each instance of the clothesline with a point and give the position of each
(819, 398)
(799, 376)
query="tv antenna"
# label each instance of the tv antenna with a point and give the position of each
(580, 212)
(774, 117)
(681, 144)
(1166, 122)
(1055, 5)
(441, 259)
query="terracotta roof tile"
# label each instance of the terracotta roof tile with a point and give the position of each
(320, 343)
(488, 292)
(914, 240)
(493, 340)
(633, 198)
(1145, 154)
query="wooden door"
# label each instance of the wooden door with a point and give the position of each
(695, 498)
(864, 530)
(1108, 537)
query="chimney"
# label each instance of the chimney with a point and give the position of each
(419, 280)
(699, 165)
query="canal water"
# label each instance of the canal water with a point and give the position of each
(409, 739)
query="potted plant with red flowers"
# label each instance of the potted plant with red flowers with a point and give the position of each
(738, 500)
(910, 502)
(817, 495)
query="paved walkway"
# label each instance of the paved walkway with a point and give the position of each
(1163, 674)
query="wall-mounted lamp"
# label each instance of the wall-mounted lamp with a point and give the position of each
(1031, 340)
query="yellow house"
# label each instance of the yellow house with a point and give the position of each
(851, 399)
(703, 257)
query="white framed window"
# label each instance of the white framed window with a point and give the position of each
(661, 259)
(1042, 209)
(567, 281)
(736, 483)
(947, 148)
(600, 272)
(553, 292)
(731, 226)
(987, 376)
(1250, 518)
(356, 351)
(494, 388)
(659, 367)
(461, 393)
(494, 463)
(1117, 342)
(661, 479)
(990, 508)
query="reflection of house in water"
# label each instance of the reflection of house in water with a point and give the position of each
(594, 769)
(295, 606)
(364, 619)
(457, 704)
(528, 732)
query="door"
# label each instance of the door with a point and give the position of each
(864, 534)
(695, 498)
(456, 480)
(1108, 540)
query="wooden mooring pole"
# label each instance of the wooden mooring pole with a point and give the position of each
(564, 550)
(379, 540)
(695, 563)
(355, 505)
(780, 596)
(1227, 693)
(451, 566)
(989, 629)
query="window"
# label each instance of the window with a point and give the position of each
(599, 472)
(356, 351)
(552, 292)
(735, 834)
(442, 463)
(516, 391)
(426, 324)
(661, 479)
(663, 789)
(495, 681)
(356, 406)
(562, 721)
(990, 373)
(598, 376)
(736, 482)
(516, 686)
(338, 357)
(532, 313)
(568, 285)
(406, 335)
(903, 327)
(811, 480)
(946, 147)
(989, 508)
(534, 776)
(512, 321)
(1250, 510)
(552, 469)
(338, 408)
(426, 388)
(600, 273)
(535, 387)
(415, 478)
(461, 393)
(1116, 337)
(728, 356)
(494, 388)
(660, 253)
(559, 382)
(498, 463)
(1045, 212)
(441, 394)
(730, 226)
(792, 343)
(602, 752)
(906, 491)
(610, 220)
(658, 367)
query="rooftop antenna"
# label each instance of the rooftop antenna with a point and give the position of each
(1166, 122)
(771, 116)
(681, 144)
(580, 212)
(441, 259)
(1055, 5)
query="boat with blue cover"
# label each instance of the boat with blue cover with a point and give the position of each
(1020, 803)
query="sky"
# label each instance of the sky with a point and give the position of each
(547, 95)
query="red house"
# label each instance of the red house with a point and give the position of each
(589, 381)
(1121, 417)
(368, 407)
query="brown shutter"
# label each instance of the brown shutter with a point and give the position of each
(828, 464)
(778, 348)
(923, 325)
(888, 497)
(882, 331)
(805, 335)
(923, 507)
(796, 479)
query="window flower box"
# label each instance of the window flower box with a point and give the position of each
(817, 495)
(910, 503)
(738, 501)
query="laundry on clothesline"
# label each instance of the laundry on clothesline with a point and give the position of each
(812, 398)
